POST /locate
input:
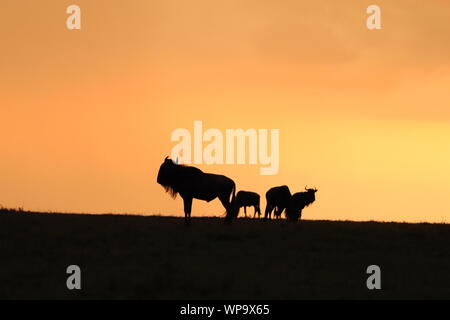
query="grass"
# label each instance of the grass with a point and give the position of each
(149, 257)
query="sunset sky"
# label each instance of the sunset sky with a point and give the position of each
(364, 115)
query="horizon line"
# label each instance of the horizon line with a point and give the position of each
(50, 212)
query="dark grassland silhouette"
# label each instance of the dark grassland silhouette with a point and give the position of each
(298, 202)
(19, 210)
(192, 183)
(277, 198)
(150, 257)
(248, 199)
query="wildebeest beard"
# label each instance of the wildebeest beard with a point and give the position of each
(169, 174)
(171, 191)
(309, 199)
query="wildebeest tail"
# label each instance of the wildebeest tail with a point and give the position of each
(233, 193)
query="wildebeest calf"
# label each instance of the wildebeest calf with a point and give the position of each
(248, 199)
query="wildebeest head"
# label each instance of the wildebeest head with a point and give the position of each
(310, 195)
(167, 176)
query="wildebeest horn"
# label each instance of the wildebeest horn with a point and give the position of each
(166, 158)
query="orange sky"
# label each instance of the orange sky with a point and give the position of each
(363, 115)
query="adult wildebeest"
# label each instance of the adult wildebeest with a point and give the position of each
(277, 198)
(298, 202)
(248, 199)
(193, 183)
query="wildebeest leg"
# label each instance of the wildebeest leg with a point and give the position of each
(227, 205)
(187, 209)
(281, 211)
(245, 211)
(268, 212)
(258, 209)
(278, 211)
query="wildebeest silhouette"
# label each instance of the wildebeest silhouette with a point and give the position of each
(248, 199)
(298, 202)
(193, 183)
(277, 198)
